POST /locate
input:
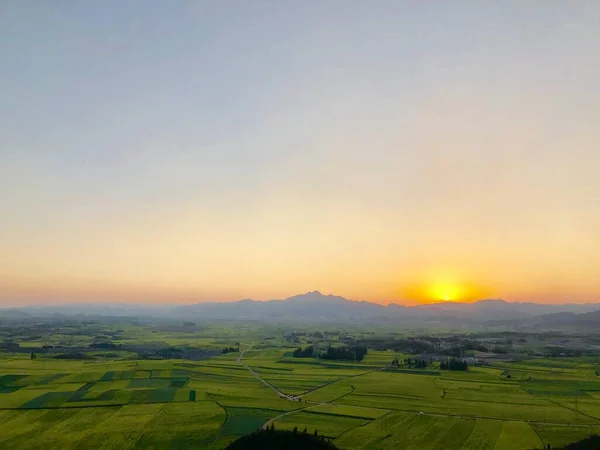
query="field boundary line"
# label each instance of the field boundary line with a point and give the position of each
(471, 434)
(343, 395)
(296, 398)
(575, 410)
(539, 437)
(287, 413)
(223, 424)
(342, 379)
(162, 408)
(421, 413)
(266, 383)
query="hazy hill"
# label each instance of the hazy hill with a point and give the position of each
(316, 306)
(310, 306)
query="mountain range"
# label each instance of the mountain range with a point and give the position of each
(315, 306)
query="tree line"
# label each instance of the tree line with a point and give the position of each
(454, 364)
(411, 363)
(356, 353)
(308, 352)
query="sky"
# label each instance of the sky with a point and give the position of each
(392, 151)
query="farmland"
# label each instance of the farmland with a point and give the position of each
(130, 395)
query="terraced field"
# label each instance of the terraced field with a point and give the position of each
(174, 404)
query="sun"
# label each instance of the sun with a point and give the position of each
(443, 288)
(445, 292)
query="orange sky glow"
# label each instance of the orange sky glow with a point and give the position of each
(378, 152)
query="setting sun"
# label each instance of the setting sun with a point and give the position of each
(444, 286)
(445, 292)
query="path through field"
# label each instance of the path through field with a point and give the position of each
(266, 383)
(313, 404)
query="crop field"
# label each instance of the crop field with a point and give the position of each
(132, 403)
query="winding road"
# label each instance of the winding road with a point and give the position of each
(298, 398)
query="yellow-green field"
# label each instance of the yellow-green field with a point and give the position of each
(157, 404)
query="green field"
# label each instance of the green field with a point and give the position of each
(129, 403)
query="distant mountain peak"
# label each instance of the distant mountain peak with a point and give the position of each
(314, 296)
(498, 301)
(314, 305)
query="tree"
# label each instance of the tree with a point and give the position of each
(454, 364)
(308, 352)
(354, 353)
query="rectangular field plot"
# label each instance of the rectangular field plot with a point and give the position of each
(82, 377)
(179, 381)
(7, 380)
(517, 436)
(329, 393)
(360, 412)
(101, 386)
(568, 388)
(22, 428)
(48, 399)
(242, 421)
(421, 431)
(329, 425)
(409, 431)
(484, 435)
(547, 412)
(137, 383)
(385, 383)
(372, 434)
(183, 425)
(295, 385)
(558, 436)
(234, 387)
(138, 426)
(125, 375)
(64, 432)
(162, 395)
(19, 397)
(275, 404)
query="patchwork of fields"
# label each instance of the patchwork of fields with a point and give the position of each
(175, 404)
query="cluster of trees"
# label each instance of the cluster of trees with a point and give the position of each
(230, 350)
(345, 353)
(104, 345)
(308, 352)
(73, 355)
(414, 363)
(451, 346)
(356, 353)
(454, 364)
